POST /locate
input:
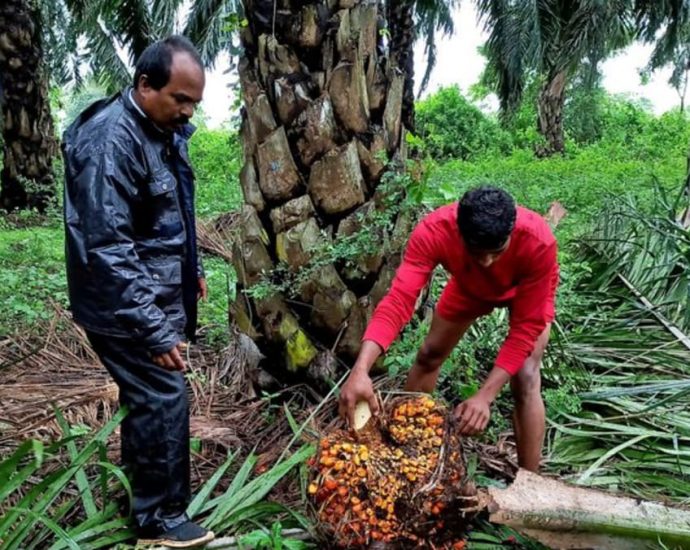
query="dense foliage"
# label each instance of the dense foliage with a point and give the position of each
(453, 128)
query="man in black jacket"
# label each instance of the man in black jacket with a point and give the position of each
(133, 272)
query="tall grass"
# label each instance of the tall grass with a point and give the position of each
(36, 501)
(65, 495)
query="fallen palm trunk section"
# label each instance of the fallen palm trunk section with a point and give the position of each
(563, 516)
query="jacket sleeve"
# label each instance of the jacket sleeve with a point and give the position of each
(528, 316)
(396, 308)
(108, 192)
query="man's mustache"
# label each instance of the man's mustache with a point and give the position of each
(181, 120)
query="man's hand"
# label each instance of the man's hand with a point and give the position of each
(202, 294)
(473, 415)
(172, 360)
(358, 387)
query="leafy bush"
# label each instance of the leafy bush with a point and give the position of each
(580, 181)
(217, 161)
(583, 113)
(213, 313)
(454, 128)
(31, 275)
(633, 132)
(77, 101)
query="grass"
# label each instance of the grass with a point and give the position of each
(78, 462)
(35, 502)
(31, 275)
(581, 181)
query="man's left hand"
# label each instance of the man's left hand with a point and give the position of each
(473, 415)
(202, 294)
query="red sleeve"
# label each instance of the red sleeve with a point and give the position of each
(396, 308)
(528, 316)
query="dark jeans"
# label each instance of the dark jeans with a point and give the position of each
(155, 433)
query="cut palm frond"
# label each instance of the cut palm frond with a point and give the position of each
(631, 337)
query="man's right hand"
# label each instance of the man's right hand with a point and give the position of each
(358, 387)
(172, 360)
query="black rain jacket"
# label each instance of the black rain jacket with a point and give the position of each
(132, 263)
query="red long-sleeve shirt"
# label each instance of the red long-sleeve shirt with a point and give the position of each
(525, 277)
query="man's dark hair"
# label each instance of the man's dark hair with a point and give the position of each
(486, 217)
(156, 60)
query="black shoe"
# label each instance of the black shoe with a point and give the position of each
(186, 535)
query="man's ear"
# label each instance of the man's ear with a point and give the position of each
(143, 82)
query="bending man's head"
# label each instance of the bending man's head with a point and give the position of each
(169, 81)
(486, 218)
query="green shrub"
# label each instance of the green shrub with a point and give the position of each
(216, 157)
(583, 117)
(213, 313)
(31, 276)
(78, 100)
(453, 128)
(580, 181)
(631, 131)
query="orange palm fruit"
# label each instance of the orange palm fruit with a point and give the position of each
(330, 484)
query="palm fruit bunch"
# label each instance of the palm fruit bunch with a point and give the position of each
(398, 482)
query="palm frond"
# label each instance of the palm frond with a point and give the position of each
(164, 15)
(438, 14)
(206, 27)
(595, 29)
(681, 63)
(653, 15)
(94, 21)
(130, 21)
(650, 250)
(513, 46)
(670, 18)
(432, 17)
(430, 53)
(108, 68)
(548, 37)
(60, 43)
(80, 10)
(632, 336)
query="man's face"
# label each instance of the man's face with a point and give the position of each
(486, 258)
(173, 105)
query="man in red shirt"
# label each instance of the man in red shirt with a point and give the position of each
(498, 255)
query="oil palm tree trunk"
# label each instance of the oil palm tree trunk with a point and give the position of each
(550, 114)
(29, 142)
(322, 111)
(402, 31)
